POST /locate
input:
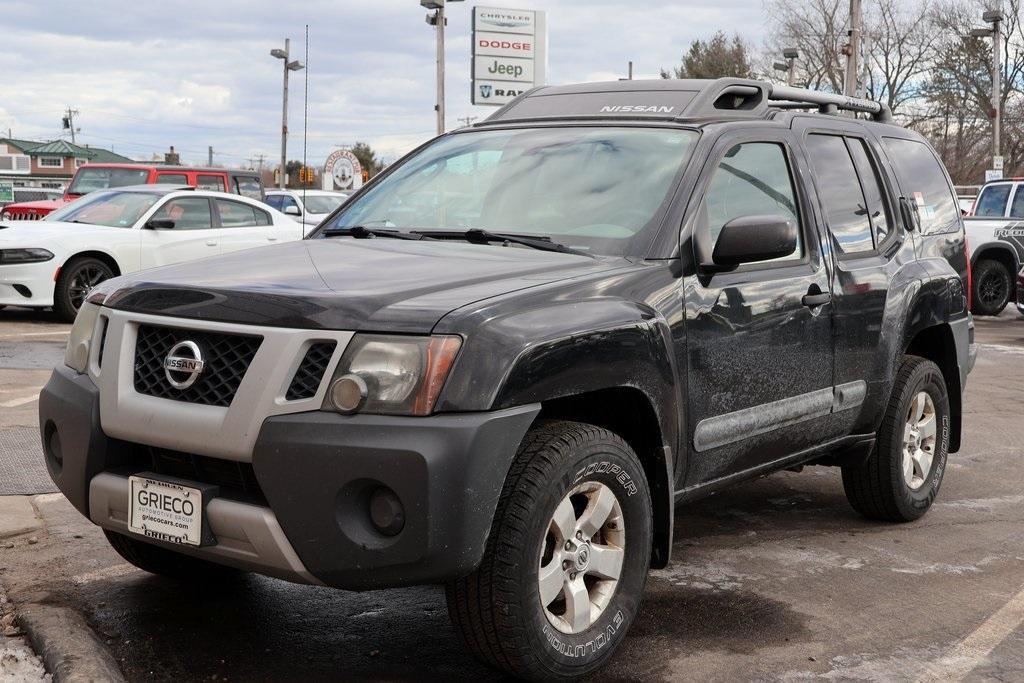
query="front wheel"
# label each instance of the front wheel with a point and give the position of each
(566, 560)
(993, 285)
(77, 278)
(901, 478)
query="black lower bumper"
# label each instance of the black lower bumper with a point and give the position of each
(317, 471)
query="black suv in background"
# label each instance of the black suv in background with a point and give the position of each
(503, 363)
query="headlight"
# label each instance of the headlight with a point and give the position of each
(76, 356)
(11, 256)
(392, 375)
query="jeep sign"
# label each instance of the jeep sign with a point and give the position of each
(509, 53)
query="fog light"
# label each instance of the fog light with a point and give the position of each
(348, 393)
(386, 512)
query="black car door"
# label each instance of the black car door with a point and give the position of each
(758, 338)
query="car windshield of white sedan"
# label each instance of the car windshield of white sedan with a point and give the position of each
(113, 209)
(323, 203)
(589, 188)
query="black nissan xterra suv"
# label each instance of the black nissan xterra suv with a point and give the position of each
(503, 362)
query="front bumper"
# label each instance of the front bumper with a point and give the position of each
(27, 284)
(316, 471)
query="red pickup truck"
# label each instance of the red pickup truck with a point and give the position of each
(92, 177)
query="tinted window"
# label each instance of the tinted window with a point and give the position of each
(91, 178)
(840, 194)
(172, 179)
(1017, 208)
(275, 200)
(924, 181)
(752, 179)
(249, 187)
(992, 201)
(238, 215)
(210, 182)
(874, 191)
(188, 213)
(287, 202)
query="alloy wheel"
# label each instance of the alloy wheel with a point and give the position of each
(82, 282)
(919, 439)
(581, 557)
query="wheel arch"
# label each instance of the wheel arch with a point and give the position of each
(629, 413)
(997, 251)
(92, 253)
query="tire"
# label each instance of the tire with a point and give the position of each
(156, 560)
(497, 609)
(993, 286)
(76, 277)
(879, 488)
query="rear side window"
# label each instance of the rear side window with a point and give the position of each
(172, 179)
(839, 190)
(188, 213)
(210, 182)
(1017, 207)
(249, 187)
(752, 179)
(239, 215)
(992, 201)
(924, 181)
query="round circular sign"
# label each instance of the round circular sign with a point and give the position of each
(342, 171)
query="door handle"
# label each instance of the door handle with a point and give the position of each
(211, 243)
(271, 239)
(812, 300)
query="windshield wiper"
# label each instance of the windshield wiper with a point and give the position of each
(479, 236)
(361, 232)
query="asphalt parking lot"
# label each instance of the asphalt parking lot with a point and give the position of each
(776, 580)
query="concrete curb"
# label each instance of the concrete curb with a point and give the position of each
(68, 647)
(18, 516)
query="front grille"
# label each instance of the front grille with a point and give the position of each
(19, 215)
(226, 358)
(237, 479)
(310, 372)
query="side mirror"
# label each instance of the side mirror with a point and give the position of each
(292, 211)
(749, 239)
(160, 224)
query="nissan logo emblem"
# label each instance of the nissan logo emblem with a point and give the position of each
(183, 364)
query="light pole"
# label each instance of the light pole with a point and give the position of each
(856, 28)
(994, 17)
(288, 66)
(791, 54)
(438, 21)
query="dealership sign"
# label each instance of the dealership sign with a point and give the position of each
(342, 171)
(509, 53)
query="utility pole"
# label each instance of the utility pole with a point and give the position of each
(853, 49)
(209, 155)
(438, 21)
(995, 18)
(284, 55)
(69, 122)
(466, 120)
(630, 76)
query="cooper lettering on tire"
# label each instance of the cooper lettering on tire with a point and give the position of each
(567, 557)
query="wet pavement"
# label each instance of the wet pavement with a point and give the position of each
(775, 580)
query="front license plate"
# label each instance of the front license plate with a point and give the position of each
(165, 511)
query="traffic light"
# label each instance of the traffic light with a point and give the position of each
(302, 175)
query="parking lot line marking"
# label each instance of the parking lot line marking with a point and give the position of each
(14, 403)
(975, 648)
(111, 572)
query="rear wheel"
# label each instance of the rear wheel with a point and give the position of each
(901, 478)
(77, 278)
(993, 285)
(156, 560)
(566, 560)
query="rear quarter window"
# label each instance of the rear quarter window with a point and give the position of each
(924, 181)
(992, 201)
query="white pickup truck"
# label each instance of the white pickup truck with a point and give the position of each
(995, 233)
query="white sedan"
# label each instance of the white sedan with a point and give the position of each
(56, 261)
(308, 207)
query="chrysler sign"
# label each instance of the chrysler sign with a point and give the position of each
(509, 53)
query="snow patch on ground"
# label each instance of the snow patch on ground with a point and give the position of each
(18, 663)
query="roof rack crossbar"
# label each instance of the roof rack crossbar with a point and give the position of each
(788, 97)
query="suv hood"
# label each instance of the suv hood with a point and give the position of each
(343, 283)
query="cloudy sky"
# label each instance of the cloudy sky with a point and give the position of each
(145, 75)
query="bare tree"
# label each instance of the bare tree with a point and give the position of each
(817, 28)
(902, 47)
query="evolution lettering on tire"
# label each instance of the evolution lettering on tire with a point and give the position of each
(575, 499)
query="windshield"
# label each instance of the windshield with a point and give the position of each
(92, 179)
(323, 203)
(113, 209)
(589, 188)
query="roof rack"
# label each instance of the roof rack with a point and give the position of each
(674, 100)
(786, 97)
